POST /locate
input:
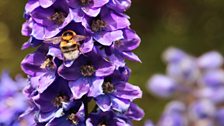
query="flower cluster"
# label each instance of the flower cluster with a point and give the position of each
(79, 62)
(195, 84)
(12, 102)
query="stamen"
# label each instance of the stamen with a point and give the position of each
(85, 2)
(58, 100)
(48, 63)
(98, 25)
(118, 43)
(108, 87)
(58, 17)
(73, 118)
(87, 70)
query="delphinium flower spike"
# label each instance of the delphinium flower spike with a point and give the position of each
(12, 101)
(81, 48)
(196, 86)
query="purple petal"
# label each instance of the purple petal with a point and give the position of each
(210, 60)
(39, 31)
(172, 55)
(44, 117)
(213, 78)
(173, 119)
(120, 104)
(96, 88)
(97, 3)
(87, 46)
(55, 52)
(45, 81)
(25, 45)
(161, 85)
(134, 112)
(107, 38)
(219, 116)
(63, 121)
(71, 73)
(78, 15)
(79, 87)
(185, 71)
(80, 114)
(131, 56)
(127, 91)
(119, 5)
(26, 29)
(202, 109)
(115, 21)
(104, 70)
(130, 42)
(73, 3)
(148, 123)
(175, 107)
(89, 122)
(46, 3)
(214, 94)
(104, 102)
(92, 12)
(31, 5)
(32, 62)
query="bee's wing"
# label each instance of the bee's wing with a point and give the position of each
(55, 40)
(78, 38)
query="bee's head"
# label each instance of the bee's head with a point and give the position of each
(68, 35)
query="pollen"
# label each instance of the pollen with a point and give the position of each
(118, 43)
(59, 100)
(98, 25)
(85, 2)
(87, 70)
(48, 64)
(108, 87)
(58, 17)
(73, 118)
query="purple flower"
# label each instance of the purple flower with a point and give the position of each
(84, 72)
(40, 68)
(122, 49)
(52, 99)
(61, 88)
(105, 29)
(114, 93)
(12, 102)
(198, 87)
(73, 114)
(48, 22)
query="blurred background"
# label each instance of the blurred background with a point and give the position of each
(195, 26)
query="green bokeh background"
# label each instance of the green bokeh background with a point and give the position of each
(195, 26)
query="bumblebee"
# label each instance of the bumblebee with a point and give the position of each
(69, 44)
